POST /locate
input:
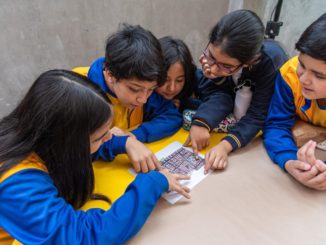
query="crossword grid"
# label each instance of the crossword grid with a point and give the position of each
(182, 161)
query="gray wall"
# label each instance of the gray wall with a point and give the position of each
(37, 35)
(296, 16)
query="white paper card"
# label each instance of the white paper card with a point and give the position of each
(181, 160)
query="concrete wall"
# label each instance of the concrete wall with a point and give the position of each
(296, 17)
(38, 35)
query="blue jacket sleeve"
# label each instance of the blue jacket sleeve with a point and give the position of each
(33, 213)
(161, 119)
(277, 133)
(108, 151)
(217, 102)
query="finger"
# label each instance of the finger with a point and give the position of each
(300, 165)
(222, 164)
(181, 190)
(144, 167)
(310, 153)
(226, 162)
(301, 154)
(200, 145)
(216, 162)
(321, 166)
(150, 164)
(322, 186)
(194, 147)
(156, 162)
(209, 160)
(187, 142)
(136, 166)
(187, 189)
(203, 144)
(207, 142)
(308, 175)
(296, 168)
(182, 177)
(318, 180)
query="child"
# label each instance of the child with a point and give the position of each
(300, 91)
(237, 60)
(46, 171)
(180, 84)
(132, 69)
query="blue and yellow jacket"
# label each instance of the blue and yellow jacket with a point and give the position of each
(287, 104)
(156, 119)
(32, 212)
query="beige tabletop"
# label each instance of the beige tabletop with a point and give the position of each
(252, 202)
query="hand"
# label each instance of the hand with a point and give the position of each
(174, 184)
(198, 137)
(141, 157)
(217, 157)
(319, 182)
(307, 153)
(311, 176)
(207, 68)
(176, 103)
(119, 132)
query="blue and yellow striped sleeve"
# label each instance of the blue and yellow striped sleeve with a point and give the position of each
(32, 212)
(277, 133)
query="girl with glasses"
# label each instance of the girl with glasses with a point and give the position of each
(238, 71)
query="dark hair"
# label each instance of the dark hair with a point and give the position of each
(175, 50)
(134, 52)
(55, 120)
(313, 40)
(240, 35)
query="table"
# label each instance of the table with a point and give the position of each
(251, 202)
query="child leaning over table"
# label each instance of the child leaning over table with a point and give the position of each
(133, 67)
(300, 92)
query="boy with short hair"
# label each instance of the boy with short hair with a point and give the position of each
(300, 92)
(133, 67)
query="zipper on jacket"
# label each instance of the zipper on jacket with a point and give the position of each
(129, 116)
(304, 113)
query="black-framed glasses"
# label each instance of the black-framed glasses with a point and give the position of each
(229, 69)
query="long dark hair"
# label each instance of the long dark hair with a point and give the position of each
(55, 120)
(240, 35)
(175, 50)
(313, 40)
